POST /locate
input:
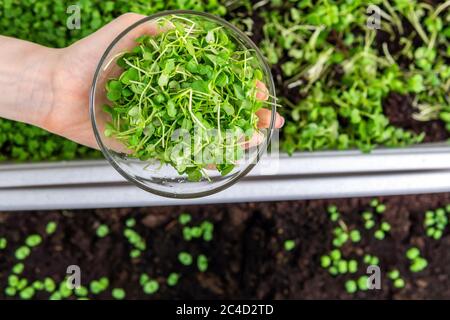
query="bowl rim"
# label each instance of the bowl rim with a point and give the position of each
(261, 148)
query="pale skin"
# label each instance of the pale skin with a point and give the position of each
(49, 88)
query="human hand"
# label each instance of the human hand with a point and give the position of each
(74, 72)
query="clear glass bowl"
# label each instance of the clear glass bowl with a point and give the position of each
(153, 177)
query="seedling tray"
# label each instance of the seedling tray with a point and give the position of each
(332, 174)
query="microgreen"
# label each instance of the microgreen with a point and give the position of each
(351, 286)
(130, 223)
(33, 240)
(202, 263)
(22, 253)
(185, 258)
(418, 263)
(193, 77)
(50, 228)
(81, 291)
(118, 293)
(151, 287)
(184, 218)
(3, 243)
(97, 286)
(435, 222)
(173, 279)
(289, 245)
(137, 242)
(102, 231)
(18, 268)
(398, 282)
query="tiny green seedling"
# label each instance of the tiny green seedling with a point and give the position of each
(289, 245)
(418, 263)
(50, 228)
(102, 231)
(185, 258)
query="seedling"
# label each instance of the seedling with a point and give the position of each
(184, 218)
(202, 263)
(96, 286)
(118, 293)
(130, 223)
(102, 231)
(289, 245)
(50, 228)
(3, 243)
(18, 268)
(193, 79)
(418, 263)
(135, 240)
(185, 258)
(151, 287)
(33, 240)
(398, 282)
(337, 265)
(172, 279)
(435, 223)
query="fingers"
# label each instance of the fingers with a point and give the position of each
(264, 117)
(262, 93)
(255, 140)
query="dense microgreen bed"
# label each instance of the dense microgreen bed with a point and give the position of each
(333, 73)
(186, 97)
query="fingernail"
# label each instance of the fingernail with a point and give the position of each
(282, 122)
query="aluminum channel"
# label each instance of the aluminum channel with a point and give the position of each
(334, 174)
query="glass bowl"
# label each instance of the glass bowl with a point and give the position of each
(152, 176)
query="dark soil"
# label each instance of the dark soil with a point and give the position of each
(399, 109)
(247, 258)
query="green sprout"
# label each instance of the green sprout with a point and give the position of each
(49, 285)
(130, 223)
(27, 293)
(143, 279)
(22, 253)
(351, 286)
(98, 286)
(102, 231)
(334, 213)
(136, 241)
(418, 263)
(202, 263)
(371, 260)
(81, 291)
(33, 240)
(381, 208)
(184, 218)
(50, 228)
(151, 287)
(185, 258)
(398, 282)
(173, 279)
(18, 268)
(435, 223)
(289, 245)
(362, 283)
(355, 236)
(118, 293)
(3, 243)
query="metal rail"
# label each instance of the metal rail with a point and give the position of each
(334, 174)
